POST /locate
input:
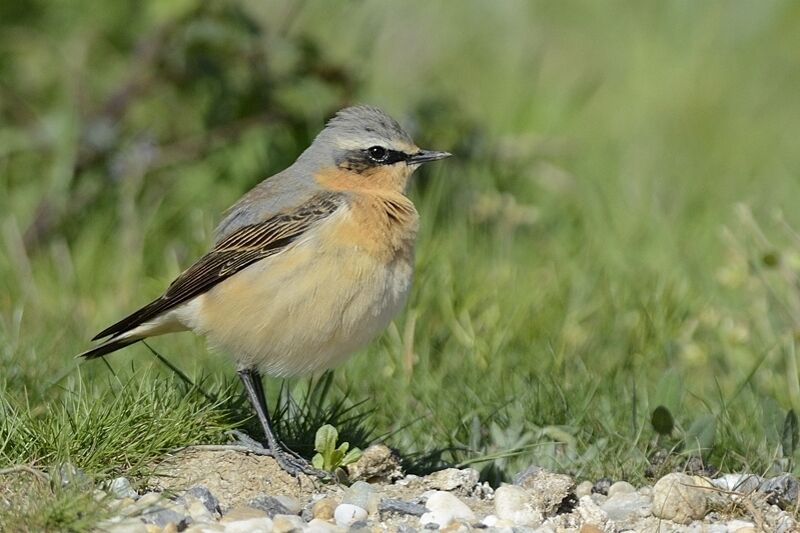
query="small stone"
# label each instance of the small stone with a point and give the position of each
(196, 509)
(782, 490)
(128, 525)
(161, 516)
(152, 528)
(249, 525)
(323, 509)
(269, 505)
(591, 513)
(602, 485)
(514, 503)
(444, 502)
(451, 479)
(590, 528)
(242, 512)
(377, 464)
(120, 488)
(346, 514)
(148, 499)
(205, 528)
(69, 474)
(584, 488)
(363, 495)
(293, 505)
(742, 483)
(676, 497)
(321, 526)
(437, 519)
(620, 487)
(205, 496)
(626, 505)
(287, 523)
(735, 526)
(169, 528)
(391, 505)
(548, 491)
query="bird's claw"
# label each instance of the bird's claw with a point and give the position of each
(288, 460)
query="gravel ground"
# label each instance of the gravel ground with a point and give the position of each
(218, 490)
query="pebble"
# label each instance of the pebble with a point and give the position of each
(621, 506)
(242, 512)
(676, 497)
(205, 496)
(514, 503)
(269, 505)
(602, 485)
(548, 491)
(249, 525)
(744, 483)
(452, 478)
(120, 487)
(197, 510)
(440, 501)
(620, 487)
(390, 505)
(782, 490)
(346, 514)
(517, 508)
(584, 488)
(363, 495)
(321, 526)
(323, 509)
(591, 513)
(128, 525)
(286, 523)
(162, 516)
(378, 463)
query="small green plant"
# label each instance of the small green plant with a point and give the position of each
(329, 457)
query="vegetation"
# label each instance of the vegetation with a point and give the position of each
(619, 230)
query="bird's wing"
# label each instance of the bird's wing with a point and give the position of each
(235, 252)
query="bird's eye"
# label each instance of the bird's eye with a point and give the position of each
(378, 153)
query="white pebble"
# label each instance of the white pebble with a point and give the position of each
(677, 497)
(440, 501)
(620, 487)
(584, 488)
(321, 526)
(251, 525)
(440, 518)
(346, 514)
(513, 503)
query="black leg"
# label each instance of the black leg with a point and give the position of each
(287, 459)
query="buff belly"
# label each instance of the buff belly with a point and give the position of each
(303, 310)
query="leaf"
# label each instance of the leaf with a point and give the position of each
(325, 440)
(791, 434)
(318, 462)
(662, 420)
(351, 457)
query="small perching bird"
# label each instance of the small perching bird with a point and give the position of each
(306, 268)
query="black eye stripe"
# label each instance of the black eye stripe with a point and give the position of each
(391, 156)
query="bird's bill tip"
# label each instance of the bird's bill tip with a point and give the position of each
(423, 156)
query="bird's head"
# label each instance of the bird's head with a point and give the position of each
(363, 147)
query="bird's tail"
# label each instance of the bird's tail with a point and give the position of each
(111, 345)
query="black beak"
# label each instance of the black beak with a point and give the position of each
(423, 156)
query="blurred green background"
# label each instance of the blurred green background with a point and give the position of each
(618, 231)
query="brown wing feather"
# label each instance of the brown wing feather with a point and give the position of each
(242, 248)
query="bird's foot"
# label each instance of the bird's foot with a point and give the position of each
(288, 460)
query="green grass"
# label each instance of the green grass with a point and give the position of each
(615, 233)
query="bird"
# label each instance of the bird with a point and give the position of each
(305, 268)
